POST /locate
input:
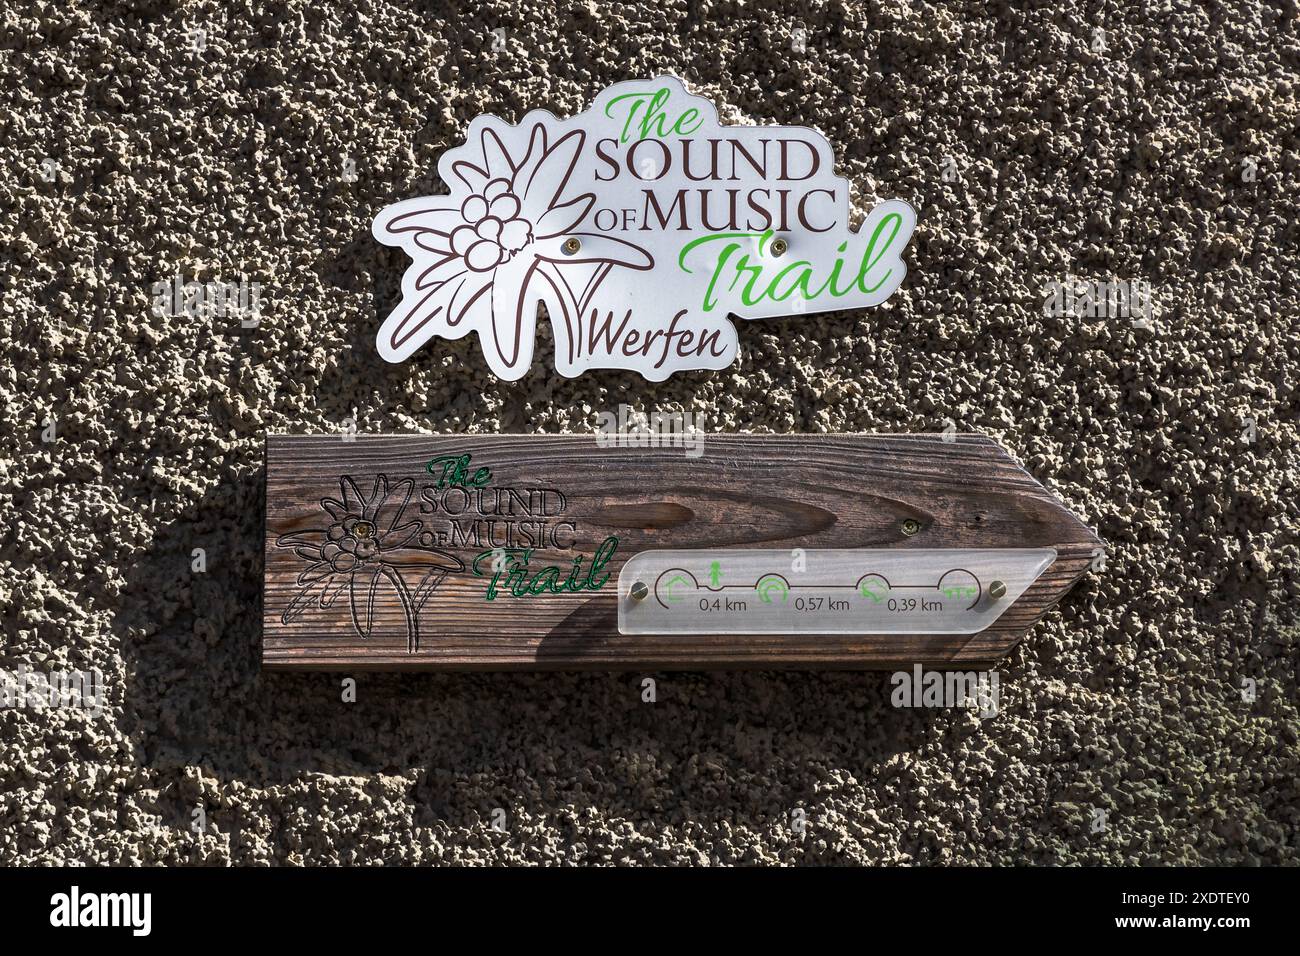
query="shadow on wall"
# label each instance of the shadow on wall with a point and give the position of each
(196, 696)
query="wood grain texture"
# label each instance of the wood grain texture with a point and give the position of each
(841, 491)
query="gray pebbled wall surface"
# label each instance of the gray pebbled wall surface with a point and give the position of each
(1100, 140)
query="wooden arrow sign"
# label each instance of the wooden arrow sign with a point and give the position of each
(567, 552)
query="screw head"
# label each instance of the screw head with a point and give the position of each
(571, 246)
(363, 529)
(911, 526)
(639, 591)
(997, 590)
(779, 246)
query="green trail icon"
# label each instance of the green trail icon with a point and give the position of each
(715, 573)
(874, 590)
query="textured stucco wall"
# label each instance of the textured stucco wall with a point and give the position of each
(1130, 161)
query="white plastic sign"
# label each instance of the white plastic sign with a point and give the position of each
(641, 224)
(829, 591)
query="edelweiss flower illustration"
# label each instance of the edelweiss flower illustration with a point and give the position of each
(363, 548)
(502, 241)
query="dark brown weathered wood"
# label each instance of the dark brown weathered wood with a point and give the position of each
(841, 491)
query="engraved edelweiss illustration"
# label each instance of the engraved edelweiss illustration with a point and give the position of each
(364, 548)
(502, 241)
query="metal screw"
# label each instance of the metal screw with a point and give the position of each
(363, 529)
(779, 246)
(571, 246)
(639, 591)
(911, 526)
(997, 590)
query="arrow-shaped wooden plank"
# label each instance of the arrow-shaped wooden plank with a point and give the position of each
(401, 553)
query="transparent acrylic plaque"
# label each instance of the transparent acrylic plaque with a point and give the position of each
(826, 591)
